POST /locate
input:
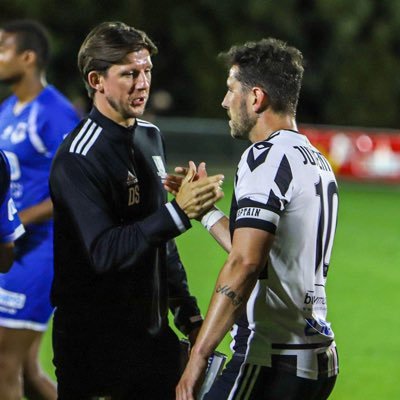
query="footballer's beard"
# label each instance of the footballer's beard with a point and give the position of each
(243, 123)
(11, 80)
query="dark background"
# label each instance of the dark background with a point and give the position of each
(352, 50)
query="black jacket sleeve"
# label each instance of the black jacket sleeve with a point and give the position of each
(182, 304)
(80, 193)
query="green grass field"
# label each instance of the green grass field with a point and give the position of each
(363, 289)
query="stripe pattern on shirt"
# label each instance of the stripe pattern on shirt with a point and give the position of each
(147, 124)
(86, 137)
(34, 136)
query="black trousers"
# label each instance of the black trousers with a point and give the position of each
(103, 359)
(268, 384)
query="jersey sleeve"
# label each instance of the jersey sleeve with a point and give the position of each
(77, 191)
(10, 225)
(183, 306)
(263, 187)
(49, 126)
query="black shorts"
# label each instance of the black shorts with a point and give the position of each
(103, 359)
(264, 383)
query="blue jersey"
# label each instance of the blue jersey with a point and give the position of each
(30, 139)
(10, 225)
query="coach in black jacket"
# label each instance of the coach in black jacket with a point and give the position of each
(117, 269)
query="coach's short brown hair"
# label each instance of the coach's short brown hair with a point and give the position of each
(108, 44)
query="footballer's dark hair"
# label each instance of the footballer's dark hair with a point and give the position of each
(108, 44)
(271, 65)
(30, 35)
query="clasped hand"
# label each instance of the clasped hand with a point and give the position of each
(194, 191)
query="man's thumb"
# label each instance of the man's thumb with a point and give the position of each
(191, 172)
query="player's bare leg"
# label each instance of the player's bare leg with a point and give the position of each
(14, 346)
(37, 385)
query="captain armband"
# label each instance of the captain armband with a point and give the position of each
(212, 217)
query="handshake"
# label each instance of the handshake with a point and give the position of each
(194, 191)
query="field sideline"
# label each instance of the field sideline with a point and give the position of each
(362, 289)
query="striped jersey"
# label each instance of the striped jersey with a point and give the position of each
(285, 186)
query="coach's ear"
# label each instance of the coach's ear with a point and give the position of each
(95, 80)
(260, 100)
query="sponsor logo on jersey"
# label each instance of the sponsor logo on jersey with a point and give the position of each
(310, 298)
(10, 301)
(17, 134)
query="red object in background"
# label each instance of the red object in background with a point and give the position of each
(357, 153)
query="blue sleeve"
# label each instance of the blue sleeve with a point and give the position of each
(10, 225)
(53, 124)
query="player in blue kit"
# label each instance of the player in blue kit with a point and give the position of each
(33, 122)
(10, 225)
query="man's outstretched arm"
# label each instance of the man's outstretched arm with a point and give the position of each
(248, 256)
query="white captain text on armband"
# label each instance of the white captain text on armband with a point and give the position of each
(257, 213)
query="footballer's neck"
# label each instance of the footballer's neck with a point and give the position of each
(271, 122)
(29, 87)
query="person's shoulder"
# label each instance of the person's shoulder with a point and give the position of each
(53, 99)
(281, 142)
(73, 148)
(146, 124)
(86, 140)
(265, 153)
(8, 102)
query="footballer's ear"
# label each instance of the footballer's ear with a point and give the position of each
(260, 100)
(29, 57)
(95, 80)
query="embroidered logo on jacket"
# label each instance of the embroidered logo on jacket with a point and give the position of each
(161, 172)
(132, 183)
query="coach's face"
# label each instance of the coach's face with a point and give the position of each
(241, 121)
(122, 92)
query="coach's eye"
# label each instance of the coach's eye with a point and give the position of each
(132, 74)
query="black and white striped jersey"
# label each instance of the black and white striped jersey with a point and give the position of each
(112, 223)
(285, 186)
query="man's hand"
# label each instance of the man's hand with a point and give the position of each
(172, 183)
(192, 378)
(198, 193)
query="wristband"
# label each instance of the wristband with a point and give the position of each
(212, 217)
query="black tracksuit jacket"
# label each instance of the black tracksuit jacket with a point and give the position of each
(114, 230)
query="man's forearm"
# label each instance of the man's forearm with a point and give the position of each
(38, 213)
(218, 225)
(220, 232)
(233, 288)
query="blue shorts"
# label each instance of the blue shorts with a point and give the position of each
(25, 289)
